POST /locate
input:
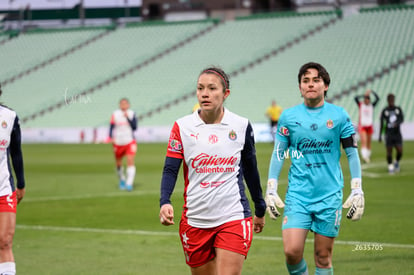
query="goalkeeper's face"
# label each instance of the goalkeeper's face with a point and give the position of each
(312, 88)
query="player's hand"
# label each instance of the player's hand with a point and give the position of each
(167, 214)
(273, 200)
(20, 194)
(258, 224)
(355, 201)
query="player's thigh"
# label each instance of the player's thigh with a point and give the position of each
(296, 215)
(297, 221)
(328, 215)
(363, 135)
(294, 242)
(235, 236)
(197, 245)
(229, 262)
(8, 206)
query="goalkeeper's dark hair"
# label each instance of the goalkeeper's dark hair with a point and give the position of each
(322, 72)
(219, 72)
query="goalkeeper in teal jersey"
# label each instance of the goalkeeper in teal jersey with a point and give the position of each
(311, 135)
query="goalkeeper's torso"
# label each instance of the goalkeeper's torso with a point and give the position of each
(314, 136)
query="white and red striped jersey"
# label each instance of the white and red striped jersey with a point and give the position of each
(212, 153)
(10, 146)
(366, 114)
(123, 127)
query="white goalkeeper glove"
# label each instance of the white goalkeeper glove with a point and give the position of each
(355, 202)
(272, 199)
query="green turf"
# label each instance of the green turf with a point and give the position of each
(74, 220)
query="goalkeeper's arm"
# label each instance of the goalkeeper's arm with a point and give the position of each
(272, 198)
(355, 201)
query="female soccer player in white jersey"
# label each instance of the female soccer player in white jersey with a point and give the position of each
(218, 150)
(366, 121)
(312, 134)
(121, 132)
(11, 193)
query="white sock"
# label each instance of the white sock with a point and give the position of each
(7, 268)
(120, 172)
(130, 175)
(364, 152)
(368, 153)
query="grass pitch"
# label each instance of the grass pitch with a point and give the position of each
(74, 220)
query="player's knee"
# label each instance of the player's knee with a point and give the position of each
(323, 259)
(293, 255)
(6, 240)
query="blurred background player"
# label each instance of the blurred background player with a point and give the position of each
(273, 113)
(10, 196)
(218, 150)
(391, 118)
(121, 132)
(366, 122)
(313, 132)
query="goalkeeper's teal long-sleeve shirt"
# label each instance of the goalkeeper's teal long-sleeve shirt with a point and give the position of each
(312, 138)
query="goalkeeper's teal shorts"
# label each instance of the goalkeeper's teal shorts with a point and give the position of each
(323, 217)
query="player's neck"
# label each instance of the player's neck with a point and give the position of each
(212, 117)
(310, 103)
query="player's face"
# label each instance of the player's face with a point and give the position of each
(124, 105)
(210, 92)
(312, 88)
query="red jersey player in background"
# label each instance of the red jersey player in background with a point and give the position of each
(121, 132)
(366, 122)
(218, 150)
(10, 193)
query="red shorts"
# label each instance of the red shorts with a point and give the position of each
(368, 129)
(199, 243)
(123, 150)
(8, 203)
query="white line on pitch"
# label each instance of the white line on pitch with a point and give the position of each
(158, 233)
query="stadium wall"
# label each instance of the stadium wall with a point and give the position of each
(147, 134)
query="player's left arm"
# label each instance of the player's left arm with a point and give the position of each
(251, 173)
(400, 117)
(133, 122)
(17, 159)
(355, 201)
(374, 103)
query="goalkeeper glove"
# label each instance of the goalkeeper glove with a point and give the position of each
(355, 202)
(272, 199)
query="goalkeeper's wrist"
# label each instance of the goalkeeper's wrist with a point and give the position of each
(356, 186)
(356, 183)
(271, 187)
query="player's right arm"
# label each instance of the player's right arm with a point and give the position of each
(169, 178)
(172, 165)
(111, 128)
